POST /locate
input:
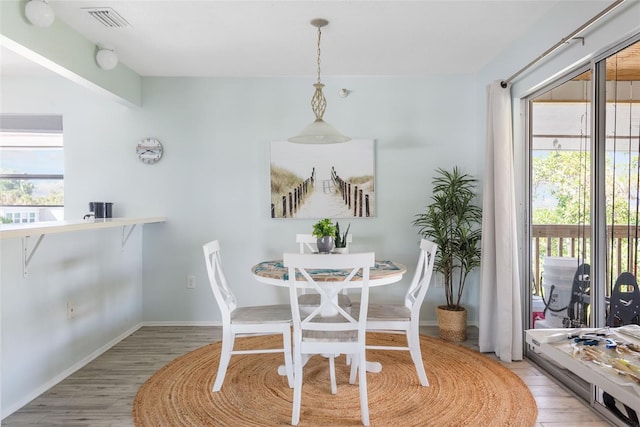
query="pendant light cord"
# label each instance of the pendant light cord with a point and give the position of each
(319, 36)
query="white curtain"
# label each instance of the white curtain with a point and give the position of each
(500, 306)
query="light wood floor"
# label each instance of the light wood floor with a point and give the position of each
(101, 393)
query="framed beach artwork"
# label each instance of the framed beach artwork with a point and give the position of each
(323, 180)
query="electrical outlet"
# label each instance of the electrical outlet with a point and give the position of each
(71, 310)
(438, 280)
(191, 282)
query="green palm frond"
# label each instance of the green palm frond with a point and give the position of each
(452, 220)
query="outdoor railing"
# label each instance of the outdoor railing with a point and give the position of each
(574, 241)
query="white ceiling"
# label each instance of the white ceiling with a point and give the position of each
(275, 38)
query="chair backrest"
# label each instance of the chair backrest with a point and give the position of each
(351, 270)
(224, 297)
(422, 277)
(308, 244)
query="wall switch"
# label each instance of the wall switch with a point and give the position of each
(191, 282)
(438, 280)
(71, 310)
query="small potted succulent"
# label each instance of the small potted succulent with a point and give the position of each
(341, 239)
(325, 232)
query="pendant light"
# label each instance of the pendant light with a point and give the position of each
(319, 132)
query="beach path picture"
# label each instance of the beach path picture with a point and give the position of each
(323, 180)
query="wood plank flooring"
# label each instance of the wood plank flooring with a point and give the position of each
(101, 393)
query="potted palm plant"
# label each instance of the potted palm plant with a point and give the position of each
(453, 222)
(325, 232)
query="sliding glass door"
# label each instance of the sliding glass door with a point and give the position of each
(584, 204)
(560, 200)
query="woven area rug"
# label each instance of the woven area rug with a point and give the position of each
(466, 388)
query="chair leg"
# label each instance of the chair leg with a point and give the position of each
(297, 387)
(288, 362)
(354, 369)
(225, 355)
(413, 339)
(332, 374)
(364, 399)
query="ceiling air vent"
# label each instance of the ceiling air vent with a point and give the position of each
(107, 17)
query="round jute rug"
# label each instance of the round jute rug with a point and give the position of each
(466, 388)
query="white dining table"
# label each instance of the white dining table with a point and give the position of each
(384, 272)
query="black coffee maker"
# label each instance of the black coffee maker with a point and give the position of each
(100, 210)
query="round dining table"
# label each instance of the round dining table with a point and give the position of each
(275, 273)
(384, 272)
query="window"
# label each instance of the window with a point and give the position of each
(31, 168)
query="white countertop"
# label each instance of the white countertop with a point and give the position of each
(10, 231)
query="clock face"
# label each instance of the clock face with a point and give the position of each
(149, 150)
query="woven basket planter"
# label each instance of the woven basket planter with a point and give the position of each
(452, 324)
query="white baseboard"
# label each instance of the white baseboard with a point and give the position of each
(428, 323)
(183, 323)
(435, 323)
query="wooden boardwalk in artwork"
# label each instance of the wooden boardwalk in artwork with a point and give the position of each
(324, 202)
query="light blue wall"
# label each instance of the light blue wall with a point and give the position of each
(90, 269)
(212, 183)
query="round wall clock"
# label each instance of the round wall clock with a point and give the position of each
(149, 150)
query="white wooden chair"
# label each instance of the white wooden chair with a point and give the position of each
(307, 244)
(329, 329)
(245, 321)
(405, 318)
